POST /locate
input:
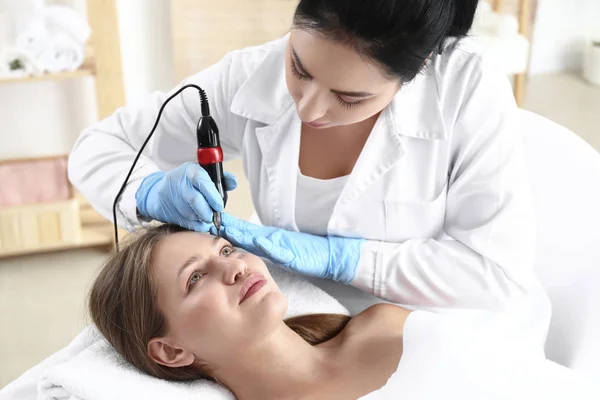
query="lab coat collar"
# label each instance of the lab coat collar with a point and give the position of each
(264, 96)
(415, 110)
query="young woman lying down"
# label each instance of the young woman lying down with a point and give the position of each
(183, 305)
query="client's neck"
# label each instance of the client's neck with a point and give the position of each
(282, 366)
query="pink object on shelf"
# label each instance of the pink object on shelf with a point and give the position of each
(35, 181)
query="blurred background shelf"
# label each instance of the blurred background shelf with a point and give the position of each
(57, 220)
(91, 236)
(80, 73)
(512, 51)
(85, 227)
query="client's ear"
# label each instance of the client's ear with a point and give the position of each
(162, 352)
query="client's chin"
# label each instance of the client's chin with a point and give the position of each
(266, 308)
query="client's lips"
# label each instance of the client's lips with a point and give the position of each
(253, 283)
(315, 124)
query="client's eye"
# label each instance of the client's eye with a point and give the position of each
(195, 277)
(227, 250)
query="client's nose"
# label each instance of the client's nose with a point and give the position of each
(233, 268)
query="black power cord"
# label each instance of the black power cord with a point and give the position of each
(205, 113)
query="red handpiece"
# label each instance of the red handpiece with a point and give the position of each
(211, 159)
(210, 155)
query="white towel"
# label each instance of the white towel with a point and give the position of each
(56, 39)
(54, 36)
(28, 64)
(100, 373)
(89, 369)
(489, 22)
(61, 53)
(60, 19)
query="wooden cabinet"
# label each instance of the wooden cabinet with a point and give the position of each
(71, 223)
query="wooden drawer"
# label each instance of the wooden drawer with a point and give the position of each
(39, 226)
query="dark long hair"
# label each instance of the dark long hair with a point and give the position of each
(399, 35)
(122, 304)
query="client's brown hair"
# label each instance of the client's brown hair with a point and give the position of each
(122, 304)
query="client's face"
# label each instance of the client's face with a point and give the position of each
(203, 293)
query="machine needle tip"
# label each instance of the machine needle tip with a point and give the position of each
(217, 222)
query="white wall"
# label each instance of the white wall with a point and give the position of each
(46, 117)
(561, 32)
(593, 19)
(146, 46)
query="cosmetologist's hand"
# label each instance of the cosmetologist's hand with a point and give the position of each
(185, 196)
(328, 257)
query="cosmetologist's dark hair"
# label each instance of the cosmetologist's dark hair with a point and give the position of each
(399, 35)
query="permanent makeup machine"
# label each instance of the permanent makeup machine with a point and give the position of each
(209, 153)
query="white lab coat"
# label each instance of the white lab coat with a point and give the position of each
(439, 190)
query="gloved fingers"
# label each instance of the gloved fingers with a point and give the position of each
(198, 208)
(213, 231)
(143, 192)
(238, 238)
(230, 181)
(239, 224)
(200, 180)
(231, 221)
(192, 223)
(277, 254)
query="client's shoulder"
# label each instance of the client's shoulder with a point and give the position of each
(379, 320)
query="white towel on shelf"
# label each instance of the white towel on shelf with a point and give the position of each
(5, 30)
(489, 22)
(29, 64)
(80, 370)
(20, 16)
(54, 36)
(60, 54)
(57, 39)
(17, 16)
(65, 20)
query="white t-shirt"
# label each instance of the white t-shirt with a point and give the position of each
(315, 200)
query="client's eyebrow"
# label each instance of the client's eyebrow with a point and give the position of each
(303, 70)
(195, 258)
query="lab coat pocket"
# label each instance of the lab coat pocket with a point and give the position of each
(415, 219)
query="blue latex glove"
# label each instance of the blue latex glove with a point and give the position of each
(184, 196)
(328, 257)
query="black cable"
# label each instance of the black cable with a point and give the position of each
(205, 112)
